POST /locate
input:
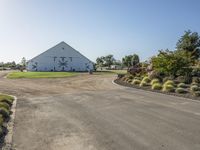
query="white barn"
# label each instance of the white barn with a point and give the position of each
(61, 57)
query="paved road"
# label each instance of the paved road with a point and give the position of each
(90, 113)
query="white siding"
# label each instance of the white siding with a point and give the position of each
(61, 57)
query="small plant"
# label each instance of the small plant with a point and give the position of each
(4, 105)
(4, 112)
(136, 81)
(194, 88)
(169, 82)
(196, 80)
(156, 86)
(137, 78)
(143, 83)
(155, 81)
(196, 93)
(8, 101)
(168, 88)
(165, 79)
(182, 85)
(1, 120)
(131, 77)
(180, 90)
(146, 79)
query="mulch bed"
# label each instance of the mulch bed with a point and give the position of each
(148, 88)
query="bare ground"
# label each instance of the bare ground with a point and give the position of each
(88, 112)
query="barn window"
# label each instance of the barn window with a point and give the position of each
(63, 48)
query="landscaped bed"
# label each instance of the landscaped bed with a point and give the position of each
(6, 102)
(16, 75)
(170, 87)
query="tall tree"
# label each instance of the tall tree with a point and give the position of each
(130, 60)
(109, 60)
(190, 44)
(23, 62)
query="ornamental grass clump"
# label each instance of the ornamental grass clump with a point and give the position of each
(180, 90)
(155, 81)
(169, 82)
(194, 88)
(143, 83)
(146, 79)
(168, 88)
(196, 93)
(182, 85)
(156, 86)
(136, 82)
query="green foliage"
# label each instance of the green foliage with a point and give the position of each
(190, 44)
(1, 120)
(146, 79)
(4, 112)
(196, 93)
(155, 81)
(156, 86)
(169, 82)
(182, 85)
(170, 63)
(154, 74)
(138, 78)
(180, 90)
(105, 61)
(194, 88)
(136, 81)
(130, 60)
(5, 105)
(196, 80)
(17, 75)
(168, 88)
(143, 83)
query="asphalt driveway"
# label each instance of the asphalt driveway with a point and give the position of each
(88, 112)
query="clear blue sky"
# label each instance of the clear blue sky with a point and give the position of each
(94, 27)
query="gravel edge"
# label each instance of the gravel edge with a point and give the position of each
(10, 126)
(125, 84)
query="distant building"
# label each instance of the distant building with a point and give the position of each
(61, 57)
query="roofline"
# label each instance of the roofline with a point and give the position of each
(57, 45)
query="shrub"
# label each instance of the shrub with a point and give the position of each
(5, 105)
(155, 81)
(167, 78)
(146, 79)
(196, 93)
(180, 90)
(193, 83)
(194, 88)
(154, 74)
(4, 112)
(143, 83)
(196, 80)
(168, 88)
(129, 80)
(169, 82)
(1, 131)
(137, 78)
(8, 101)
(136, 81)
(182, 85)
(131, 77)
(156, 86)
(1, 120)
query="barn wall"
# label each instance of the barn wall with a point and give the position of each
(62, 57)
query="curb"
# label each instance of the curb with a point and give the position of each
(10, 126)
(151, 91)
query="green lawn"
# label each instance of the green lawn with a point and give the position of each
(110, 72)
(16, 75)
